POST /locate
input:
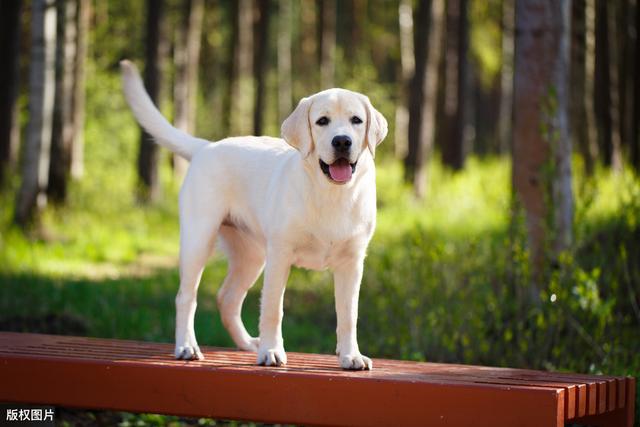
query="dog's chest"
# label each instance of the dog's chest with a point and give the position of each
(319, 254)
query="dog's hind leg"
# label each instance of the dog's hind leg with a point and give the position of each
(195, 249)
(200, 220)
(246, 261)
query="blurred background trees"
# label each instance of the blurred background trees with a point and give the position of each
(538, 101)
(442, 71)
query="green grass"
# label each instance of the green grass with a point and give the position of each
(444, 279)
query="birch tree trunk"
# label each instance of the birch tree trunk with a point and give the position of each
(82, 36)
(422, 108)
(407, 67)
(328, 44)
(591, 149)
(260, 64)
(187, 59)
(237, 108)
(505, 119)
(355, 43)
(243, 90)
(231, 71)
(542, 146)
(35, 167)
(285, 95)
(10, 13)
(310, 22)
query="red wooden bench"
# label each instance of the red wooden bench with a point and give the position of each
(143, 377)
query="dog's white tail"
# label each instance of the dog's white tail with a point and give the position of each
(151, 119)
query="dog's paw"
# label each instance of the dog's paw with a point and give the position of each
(272, 356)
(355, 362)
(252, 344)
(188, 352)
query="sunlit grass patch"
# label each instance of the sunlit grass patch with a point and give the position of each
(607, 193)
(102, 229)
(457, 205)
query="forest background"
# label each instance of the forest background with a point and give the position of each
(508, 190)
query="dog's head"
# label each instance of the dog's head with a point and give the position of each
(332, 129)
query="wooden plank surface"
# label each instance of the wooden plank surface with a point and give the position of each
(144, 377)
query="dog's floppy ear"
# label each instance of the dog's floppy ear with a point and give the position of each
(377, 127)
(296, 129)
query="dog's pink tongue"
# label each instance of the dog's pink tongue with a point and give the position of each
(340, 170)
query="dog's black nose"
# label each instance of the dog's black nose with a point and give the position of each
(341, 143)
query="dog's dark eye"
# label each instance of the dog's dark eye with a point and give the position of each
(356, 120)
(322, 121)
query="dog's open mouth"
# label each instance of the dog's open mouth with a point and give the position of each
(339, 171)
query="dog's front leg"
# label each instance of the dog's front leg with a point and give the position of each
(347, 279)
(271, 350)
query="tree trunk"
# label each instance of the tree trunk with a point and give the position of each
(442, 131)
(228, 103)
(309, 65)
(62, 136)
(242, 100)
(149, 152)
(505, 120)
(187, 59)
(10, 14)
(407, 67)
(77, 145)
(238, 100)
(541, 146)
(580, 127)
(260, 64)
(285, 95)
(635, 128)
(422, 105)
(606, 96)
(416, 89)
(482, 122)
(327, 43)
(456, 86)
(614, 88)
(356, 22)
(626, 76)
(590, 84)
(35, 167)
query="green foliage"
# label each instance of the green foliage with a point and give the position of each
(460, 296)
(445, 280)
(102, 227)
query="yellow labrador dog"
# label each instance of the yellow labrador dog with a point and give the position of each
(308, 200)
